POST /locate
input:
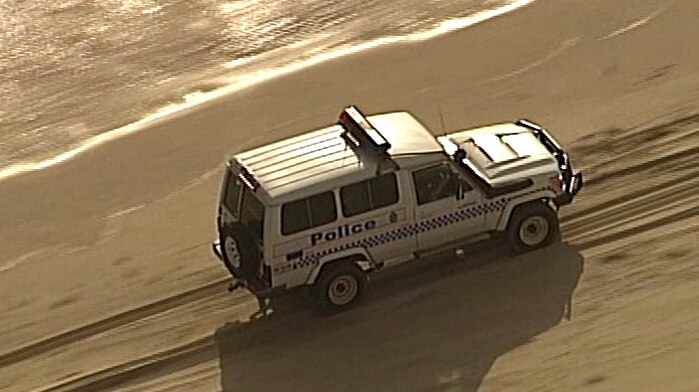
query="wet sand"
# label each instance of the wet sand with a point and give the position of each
(129, 223)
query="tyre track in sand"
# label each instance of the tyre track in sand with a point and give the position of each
(662, 178)
(652, 200)
(606, 219)
(118, 320)
(203, 350)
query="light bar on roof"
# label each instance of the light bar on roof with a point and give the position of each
(361, 131)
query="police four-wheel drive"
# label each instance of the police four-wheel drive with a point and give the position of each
(326, 208)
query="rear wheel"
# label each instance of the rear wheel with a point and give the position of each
(532, 226)
(339, 287)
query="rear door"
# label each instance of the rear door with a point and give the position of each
(229, 207)
(252, 214)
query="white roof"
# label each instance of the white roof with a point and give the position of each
(319, 160)
(505, 152)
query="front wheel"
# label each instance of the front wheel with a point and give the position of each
(532, 226)
(339, 287)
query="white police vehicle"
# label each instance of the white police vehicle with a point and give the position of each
(326, 208)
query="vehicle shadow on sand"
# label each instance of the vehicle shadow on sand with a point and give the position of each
(427, 325)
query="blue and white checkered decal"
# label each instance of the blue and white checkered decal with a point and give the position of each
(396, 234)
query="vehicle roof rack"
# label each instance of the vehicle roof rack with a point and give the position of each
(245, 175)
(361, 136)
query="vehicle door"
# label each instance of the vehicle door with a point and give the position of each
(447, 206)
(376, 210)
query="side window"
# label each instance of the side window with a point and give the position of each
(383, 191)
(322, 208)
(369, 195)
(252, 213)
(435, 183)
(295, 217)
(309, 212)
(355, 198)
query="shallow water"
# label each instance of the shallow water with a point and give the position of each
(72, 69)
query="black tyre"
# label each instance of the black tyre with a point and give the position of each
(532, 226)
(339, 287)
(240, 251)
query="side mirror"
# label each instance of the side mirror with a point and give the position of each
(459, 190)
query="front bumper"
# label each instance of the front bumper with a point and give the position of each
(572, 184)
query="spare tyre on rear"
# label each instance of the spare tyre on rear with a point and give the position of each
(240, 251)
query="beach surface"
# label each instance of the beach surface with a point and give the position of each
(108, 283)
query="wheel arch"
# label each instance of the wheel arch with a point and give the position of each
(511, 207)
(358, 256)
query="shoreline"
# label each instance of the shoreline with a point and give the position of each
(194, 99)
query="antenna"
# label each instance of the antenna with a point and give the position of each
(441, 119)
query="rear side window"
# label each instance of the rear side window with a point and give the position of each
(369, 195)
(252, 213)
(309, 212)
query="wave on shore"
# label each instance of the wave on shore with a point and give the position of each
(247, 71)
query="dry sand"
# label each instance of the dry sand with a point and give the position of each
(613, 308)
